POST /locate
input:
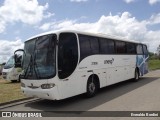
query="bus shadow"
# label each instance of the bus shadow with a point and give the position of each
(13, 82)
(80, 104)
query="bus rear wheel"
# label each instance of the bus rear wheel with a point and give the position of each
(136, 76)
(19, 78)
(13, 81)
(92, 87)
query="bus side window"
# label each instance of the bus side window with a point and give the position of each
(85, 48)
(94, 45)
(120, 47)
(89, 45)
(139, 49)
(131, 48)
(145, 51)
(106, 46)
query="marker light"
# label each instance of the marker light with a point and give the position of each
(47, 86)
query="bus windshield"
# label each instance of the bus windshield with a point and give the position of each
(39, 58)
(10, 63)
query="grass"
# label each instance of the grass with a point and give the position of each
(9, 91)
(154, 64)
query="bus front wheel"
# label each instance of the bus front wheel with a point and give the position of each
(92, 87)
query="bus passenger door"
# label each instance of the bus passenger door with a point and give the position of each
(67, 62)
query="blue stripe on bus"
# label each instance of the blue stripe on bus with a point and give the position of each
(142, 64)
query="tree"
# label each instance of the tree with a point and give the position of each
(152, 55)
(158, 52)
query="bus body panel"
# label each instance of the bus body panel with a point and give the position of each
(33, 89)
(122, 68)
(110, 68)
(73, 85)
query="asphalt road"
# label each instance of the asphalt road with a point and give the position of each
(143, 95)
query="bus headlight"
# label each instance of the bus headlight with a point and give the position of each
(22, 84)
(47, 86)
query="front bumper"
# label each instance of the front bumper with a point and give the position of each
(51, 94)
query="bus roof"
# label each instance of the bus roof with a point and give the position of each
(86, 33)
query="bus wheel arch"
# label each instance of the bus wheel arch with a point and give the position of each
(92, 86)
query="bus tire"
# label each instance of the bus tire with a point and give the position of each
(19, 79)
(92, 87)
(13, 81)
(136, 75)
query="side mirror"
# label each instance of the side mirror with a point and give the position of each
(19, 50)
(18, 58)
(3, 63)
(18, 61)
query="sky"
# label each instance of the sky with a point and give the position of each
(137, 20)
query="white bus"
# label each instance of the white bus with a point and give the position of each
(10, 72)
(58, 65)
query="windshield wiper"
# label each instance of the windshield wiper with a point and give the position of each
(31, 65)
(35, 67)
